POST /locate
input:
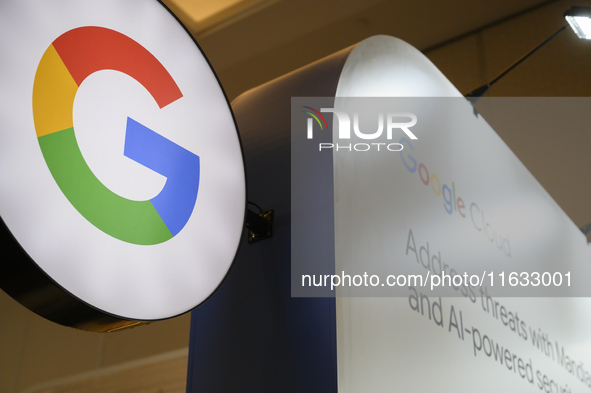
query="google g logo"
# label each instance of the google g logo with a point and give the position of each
(122, 179)
(67, 62)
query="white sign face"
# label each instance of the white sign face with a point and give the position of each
(442, 196)
(122, 174)
(454, 203)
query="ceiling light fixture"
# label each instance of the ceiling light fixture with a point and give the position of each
(579, 19)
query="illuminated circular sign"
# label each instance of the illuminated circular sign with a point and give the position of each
(121, 170)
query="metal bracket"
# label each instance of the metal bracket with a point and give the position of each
(260, 225)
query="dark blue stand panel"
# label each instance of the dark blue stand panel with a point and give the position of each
(251, 335)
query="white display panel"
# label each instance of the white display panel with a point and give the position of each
(124, 275)
(421, 342)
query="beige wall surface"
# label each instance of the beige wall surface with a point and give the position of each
(34, 352)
